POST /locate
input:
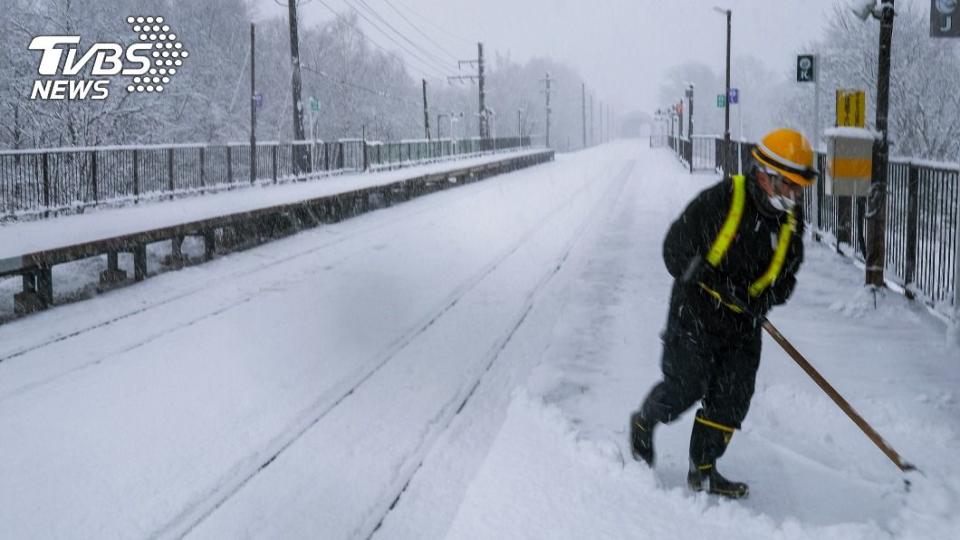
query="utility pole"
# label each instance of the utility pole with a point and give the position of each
(583, 111)
(520, 123)
(726, 109)
(592, 138)
(298, 135)
(609, 124)
(680, 118)
(601, 122)
(690, 122)
(253, 105)
(547, 92)
(426, 113)
(16, 126)
(876, 213)
(481, 80)
(484, 125)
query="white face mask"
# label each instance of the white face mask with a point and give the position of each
(782, 203)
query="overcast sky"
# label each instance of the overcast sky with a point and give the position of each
(621, 47)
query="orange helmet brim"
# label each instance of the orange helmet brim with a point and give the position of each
(802, 177)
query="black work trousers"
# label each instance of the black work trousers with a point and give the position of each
(720, 371)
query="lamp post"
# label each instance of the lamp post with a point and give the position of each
(876, 213)
(689, 94)
(726, 110)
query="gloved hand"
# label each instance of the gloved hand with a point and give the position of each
(700, 271)
(762, 304)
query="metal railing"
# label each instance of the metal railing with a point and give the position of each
(922, 234)
(44, 181)
(697, 153)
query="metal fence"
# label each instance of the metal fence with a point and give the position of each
(922, 236)
(697, 153)
(38, 182)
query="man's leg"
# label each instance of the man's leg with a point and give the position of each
(725, 406)
(686, 368)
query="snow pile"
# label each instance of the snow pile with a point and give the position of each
(541, 480)
(863, 302)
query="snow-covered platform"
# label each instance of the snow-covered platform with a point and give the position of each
(462, 366)
(33, 248)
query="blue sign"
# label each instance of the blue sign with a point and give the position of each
(734, 96)
(258, 100)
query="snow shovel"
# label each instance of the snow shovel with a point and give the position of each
(732, 301)
(835, 396)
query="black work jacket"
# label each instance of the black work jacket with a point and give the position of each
(750, 254)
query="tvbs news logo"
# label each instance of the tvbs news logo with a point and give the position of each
(72, 74)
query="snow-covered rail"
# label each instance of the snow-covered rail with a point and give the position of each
(229, 221)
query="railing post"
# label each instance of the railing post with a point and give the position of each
(275, 150)
(170, 171)
(229, 165)
(136, 176)
(818, 191)
(93, 175)
(253, 164)
(844, 221)
(46, 182)
(913, 216)
(203, 154)
(956, 259)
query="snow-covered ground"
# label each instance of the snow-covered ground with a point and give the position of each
(461, 366)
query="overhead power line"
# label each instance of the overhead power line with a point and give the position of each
(437, 26)
(440, 61)
(421, 32)
(414, 54)
(427, 73)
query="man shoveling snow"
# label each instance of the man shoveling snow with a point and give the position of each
(734, 253)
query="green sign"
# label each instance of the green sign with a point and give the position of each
(314, 104)
(721, 101)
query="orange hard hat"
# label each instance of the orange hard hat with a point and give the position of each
(787, 152)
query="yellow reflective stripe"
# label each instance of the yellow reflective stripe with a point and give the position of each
(716, 295)
(714, 425)
(730, 225)
(705, 467)
(780, 255)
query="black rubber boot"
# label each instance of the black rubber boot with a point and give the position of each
(641, 438)
(706, 478)
(708, 442)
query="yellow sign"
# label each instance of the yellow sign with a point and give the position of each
(851, 108)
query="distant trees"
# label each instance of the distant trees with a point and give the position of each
(358, 85)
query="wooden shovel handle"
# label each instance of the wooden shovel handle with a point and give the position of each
(836, 397)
